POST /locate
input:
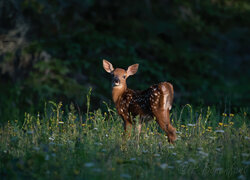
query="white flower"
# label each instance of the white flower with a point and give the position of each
(157, 155)
(212, 137)
(170, 167)
(203, 153)
(30, 132)
(51, 138)
(218, 170)
(125, 176)
(36, 148)
(246, 162)
(191, 160)
(244, 154)
(163, 166)
(97, 170)
(218, 149)
(247, 138)
(98, 143)
(219, 131)
(89, 164)
(241, 177)
(200, 148)
(171, 147)
(191, 125)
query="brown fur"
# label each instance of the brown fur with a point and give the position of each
(156, 101)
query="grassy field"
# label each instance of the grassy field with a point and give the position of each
(63, 143)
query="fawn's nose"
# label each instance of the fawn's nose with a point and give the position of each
(116, 81)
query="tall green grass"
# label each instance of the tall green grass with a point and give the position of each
(63, 143)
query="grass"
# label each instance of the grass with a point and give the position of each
(67, 145)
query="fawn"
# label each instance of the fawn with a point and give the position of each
(156, 101)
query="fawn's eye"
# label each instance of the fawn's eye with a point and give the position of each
(124, 76)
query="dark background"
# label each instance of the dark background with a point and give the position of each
(53, 50)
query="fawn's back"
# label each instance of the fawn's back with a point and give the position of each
(145, 103)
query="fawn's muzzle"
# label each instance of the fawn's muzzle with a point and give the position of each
(116, 81)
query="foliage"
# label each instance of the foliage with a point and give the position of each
(202, 47)
(62, 145)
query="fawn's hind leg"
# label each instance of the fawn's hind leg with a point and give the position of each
(162, 118)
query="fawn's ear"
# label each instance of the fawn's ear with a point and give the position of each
(107, 66)
(132, 69)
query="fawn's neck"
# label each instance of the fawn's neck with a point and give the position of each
(117, 92)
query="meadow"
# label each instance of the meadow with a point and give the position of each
(65, 143)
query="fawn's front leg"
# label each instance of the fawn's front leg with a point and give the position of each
(127, 124)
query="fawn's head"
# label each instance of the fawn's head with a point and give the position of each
(119, 76)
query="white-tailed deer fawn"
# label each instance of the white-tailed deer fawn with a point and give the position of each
(156, 101)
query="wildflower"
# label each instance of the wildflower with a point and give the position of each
(200, 148)
(46, 157)
(183, 126)
(36, 148)
(171, 147)
(157, 155)
(191, 160)
(220, 124)
(218, 170)
(231, 115)
(224, 114)
(247, 138)
(241, 177)
(61, 122)
(246, 162)
(89, 164)
(125, 176)
(209, 130)
(76, 172)
(244, 154)
(225, 125)
(147, 129)
(30, 132)
(51, 138)
(83, 125)
(212, 137)
(203, 153)
(218, 149)
(170, 167)
(209, 127)
(163, 166)
(191, 125)
(98, 143)
(97, 170)
(220, 131)
(231, 123)
(132, 159)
